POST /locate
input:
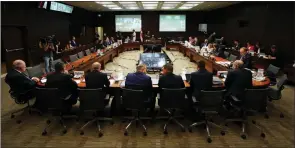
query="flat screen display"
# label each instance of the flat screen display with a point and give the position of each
(172, 23)
(126, 23)
(55, 6)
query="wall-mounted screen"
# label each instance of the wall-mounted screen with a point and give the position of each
(172, 23)
(55, 6)
(126, 23)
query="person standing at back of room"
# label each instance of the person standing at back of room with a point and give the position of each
(134, 36)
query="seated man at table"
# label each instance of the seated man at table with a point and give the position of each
(201, 79)
(217, 51)
(246, 58)
(73, 42)
(170, 80)
(237, 45)
(238, 79)
(139, 80)
(95, 78)
(276, 56)
(19, 82)
(67, 87)
(205, 44)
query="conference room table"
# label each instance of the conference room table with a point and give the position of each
(85, 63)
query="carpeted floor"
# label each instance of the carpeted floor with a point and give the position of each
(279, 131)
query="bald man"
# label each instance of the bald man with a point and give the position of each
(18, 81)
(246, 58)
(95, 78)
(238, 80)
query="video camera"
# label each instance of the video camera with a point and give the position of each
(48, 40)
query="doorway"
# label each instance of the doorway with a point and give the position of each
(99, 30)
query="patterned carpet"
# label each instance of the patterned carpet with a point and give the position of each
(279, 131)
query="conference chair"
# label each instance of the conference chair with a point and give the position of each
(73, 58)
(80, 54)
(21, 99)
(94, 101)
(172, 100)
(54, 62)
(53, 103)
(134, 100)
(253, 102)
(35, 71)
(226, 54)
(232, 57)
(87, 52)
(272, 72)
(275, 92)
(209, 104)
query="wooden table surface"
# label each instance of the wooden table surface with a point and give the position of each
(211, 65)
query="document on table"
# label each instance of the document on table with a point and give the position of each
(43, 80)
(122, 84)
(155, 81)
(77, 81)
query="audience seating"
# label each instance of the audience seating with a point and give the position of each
(55, 104)
(275, 92)
(73, 58)
(35, 71)
(253, 102)
(208, 104)
(171, 100)
(134, 100)
(93, 100)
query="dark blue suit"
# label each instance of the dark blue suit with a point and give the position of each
(200, 80)
(73, 43)
(247, 59)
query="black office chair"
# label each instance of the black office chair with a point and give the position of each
(35, 71)
(93, 100)
(226, 54)
(254, 101)
(54, 103)
(172, 100)
(232, 57)
(80, 54)
(23, 98)
(73, 58)
(87, 52)
(275, 92)
(272, 72)
(134, 100)
(209, 103)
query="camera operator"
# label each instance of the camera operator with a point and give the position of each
(48, 49)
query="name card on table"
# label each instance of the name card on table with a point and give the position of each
(43, 80)
(78, 74)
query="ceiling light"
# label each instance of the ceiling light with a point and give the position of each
(171, 2)
(183, 7)
(189, 5)
(116, 8)
(132, 8)
(167, 7)
(149, 8)
(104, 3)
(144, 2)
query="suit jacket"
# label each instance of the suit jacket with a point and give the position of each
(247, 59)
(204, 44)
(171, 80)
(63, 82)
(138, 79)
(73, 43)
(237, 81)
(19, 82)
(201, 80)
(96, 79)
(237, 47)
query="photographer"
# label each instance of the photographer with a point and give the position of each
(48, 48)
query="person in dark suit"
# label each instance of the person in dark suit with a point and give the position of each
(217, 51)
(237, 45)
(238, 80)
(276, 57)
(95, 78)
(246, 58)
(201, 79)
(205, 44)
(106, 42)
(73, 42)
(18, 81)
(170, 80)
(62, 80)
(140, 81)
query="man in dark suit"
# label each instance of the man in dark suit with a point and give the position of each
(62, 80)
(246, 58)
(170, 80)
(205, 44)
(95, 78)
(18, 81)
(73, 42)
(139, 80)
(201, 79)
